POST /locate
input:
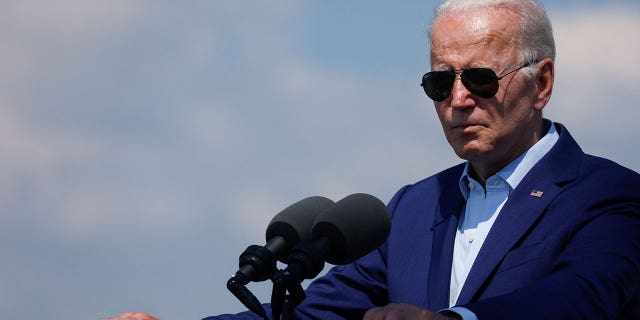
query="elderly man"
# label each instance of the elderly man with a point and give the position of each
(529, 227)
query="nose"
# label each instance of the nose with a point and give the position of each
(460, 95)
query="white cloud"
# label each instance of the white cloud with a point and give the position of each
(32, 27)
(70, 17)
(596, 79)
(82, 181)
(252, 209)
(21, 145)
(599, 40)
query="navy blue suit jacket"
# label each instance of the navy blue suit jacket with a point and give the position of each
(571, 253)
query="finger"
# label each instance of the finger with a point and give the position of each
(142, 316)
(400, 311)
(134, 316)
(375, 314)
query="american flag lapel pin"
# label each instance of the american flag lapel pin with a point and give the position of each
(536, 193)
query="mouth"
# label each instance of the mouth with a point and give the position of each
(466, 127)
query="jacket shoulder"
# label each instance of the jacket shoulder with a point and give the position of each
(444, 181)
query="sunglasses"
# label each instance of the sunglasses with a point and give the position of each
(482, 82)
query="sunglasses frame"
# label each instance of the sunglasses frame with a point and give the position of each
(491, 82)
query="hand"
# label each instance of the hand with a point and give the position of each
(133, 316)
(402, 311)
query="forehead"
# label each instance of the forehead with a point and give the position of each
(485, 36)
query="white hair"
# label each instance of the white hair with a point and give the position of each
(536, 31)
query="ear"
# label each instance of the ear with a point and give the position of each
(544, 83)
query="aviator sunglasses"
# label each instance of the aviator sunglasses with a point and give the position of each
(482, 82)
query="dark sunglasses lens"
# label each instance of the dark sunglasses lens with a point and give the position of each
(481, 82)
(437, 84)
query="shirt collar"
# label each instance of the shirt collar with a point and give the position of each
(515, 171)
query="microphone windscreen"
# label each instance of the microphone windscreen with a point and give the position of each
(295, 221)
(354, 226)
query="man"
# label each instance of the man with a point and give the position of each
(529, 227)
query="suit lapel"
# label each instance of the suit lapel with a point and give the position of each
(524, 206)
(444, 233)
(516, 217)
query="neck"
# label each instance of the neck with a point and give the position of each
(482, 169)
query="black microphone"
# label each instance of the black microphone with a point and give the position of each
(257, 263)
(346, 231)
(341, 234)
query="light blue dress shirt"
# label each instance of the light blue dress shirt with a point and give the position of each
(483, 204)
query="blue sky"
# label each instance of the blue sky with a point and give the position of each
(146, 144)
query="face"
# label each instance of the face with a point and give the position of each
(489, 132)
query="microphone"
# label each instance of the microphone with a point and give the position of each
(341, 234)
(345, 232)
(290, 226)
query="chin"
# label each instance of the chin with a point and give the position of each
(471, 153)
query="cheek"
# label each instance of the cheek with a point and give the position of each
(443, 112)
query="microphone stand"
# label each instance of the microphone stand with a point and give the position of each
(306, 261)
(283, 304)
(237, 286)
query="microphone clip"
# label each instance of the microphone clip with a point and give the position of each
(261, 260)
(257, 263)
